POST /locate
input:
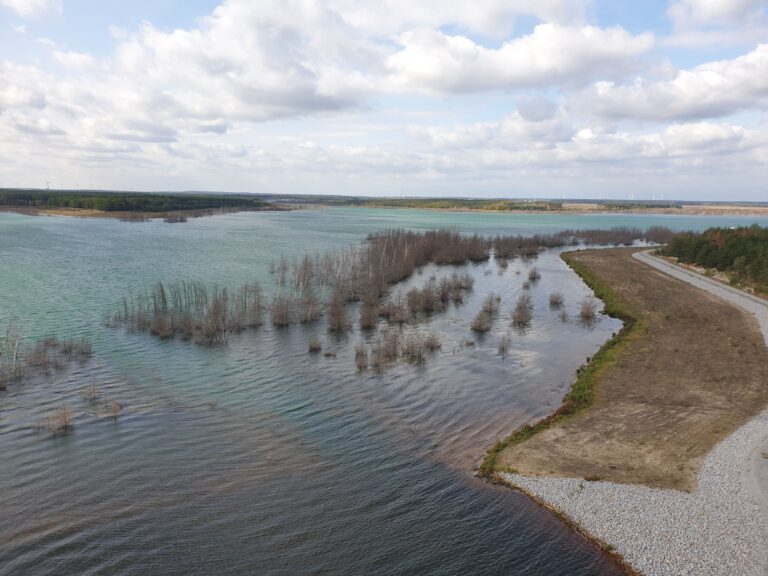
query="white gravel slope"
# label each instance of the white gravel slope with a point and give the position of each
(720, 529)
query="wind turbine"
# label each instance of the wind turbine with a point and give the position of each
(47, 185)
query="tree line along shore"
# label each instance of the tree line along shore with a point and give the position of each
(740, 253)
(130, 206)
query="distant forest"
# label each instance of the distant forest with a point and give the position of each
(126, 202)
(464, 204)
(741, 252)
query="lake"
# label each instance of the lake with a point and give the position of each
(256, 457)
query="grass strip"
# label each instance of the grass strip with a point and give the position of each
(582, 393)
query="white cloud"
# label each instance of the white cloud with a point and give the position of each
(492, 18)
(20, 88)
(512, 132)
(74, 60)
(710, 90)
(28, 8)
(280, 92)
(257, 62)
(252, 62)
(706, 24)
(550, 55)
(691, 13)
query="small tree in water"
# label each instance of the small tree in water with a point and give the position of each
(588, 309)
(523, 312)
(337, 313)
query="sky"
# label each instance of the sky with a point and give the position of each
(660, 99)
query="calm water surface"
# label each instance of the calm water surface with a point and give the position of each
(255, 457)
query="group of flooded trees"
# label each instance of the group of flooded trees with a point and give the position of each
(393, 344)
(312, 287)
(517, 246)
(20, 359)
(192, 311)
(521, 316)
(49, 354)
(522, 313)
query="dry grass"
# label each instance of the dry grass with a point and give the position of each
(692, 371)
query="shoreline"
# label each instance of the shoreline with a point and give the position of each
(581, 394)
(603, 547)
(741, 212)
(138, 215)
(662, 531)
(718, 529)
(745, 212)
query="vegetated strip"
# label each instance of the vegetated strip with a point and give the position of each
(582, 392)
(131, 202)
(742, 253)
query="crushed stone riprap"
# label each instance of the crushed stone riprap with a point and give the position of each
(719, 529)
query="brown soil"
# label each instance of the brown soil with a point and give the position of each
(696, 372)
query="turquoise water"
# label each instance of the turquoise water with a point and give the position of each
(255, 457)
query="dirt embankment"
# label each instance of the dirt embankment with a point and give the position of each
(694, 373)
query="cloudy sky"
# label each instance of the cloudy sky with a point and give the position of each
(553, 98)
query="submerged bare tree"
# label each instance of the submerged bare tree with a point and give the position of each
(315, 345)
(503, 346)
(281, 310)
(60, 422)
(523, 312)
(10, 366)
(309, 307)
(588, 310)
(361, 357)
(336, 312)
(556, 300)
(484, 318)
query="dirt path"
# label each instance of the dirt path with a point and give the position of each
(751, 304)
(696, 372)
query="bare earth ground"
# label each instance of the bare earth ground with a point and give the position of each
(696, 373)
(689, 209)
